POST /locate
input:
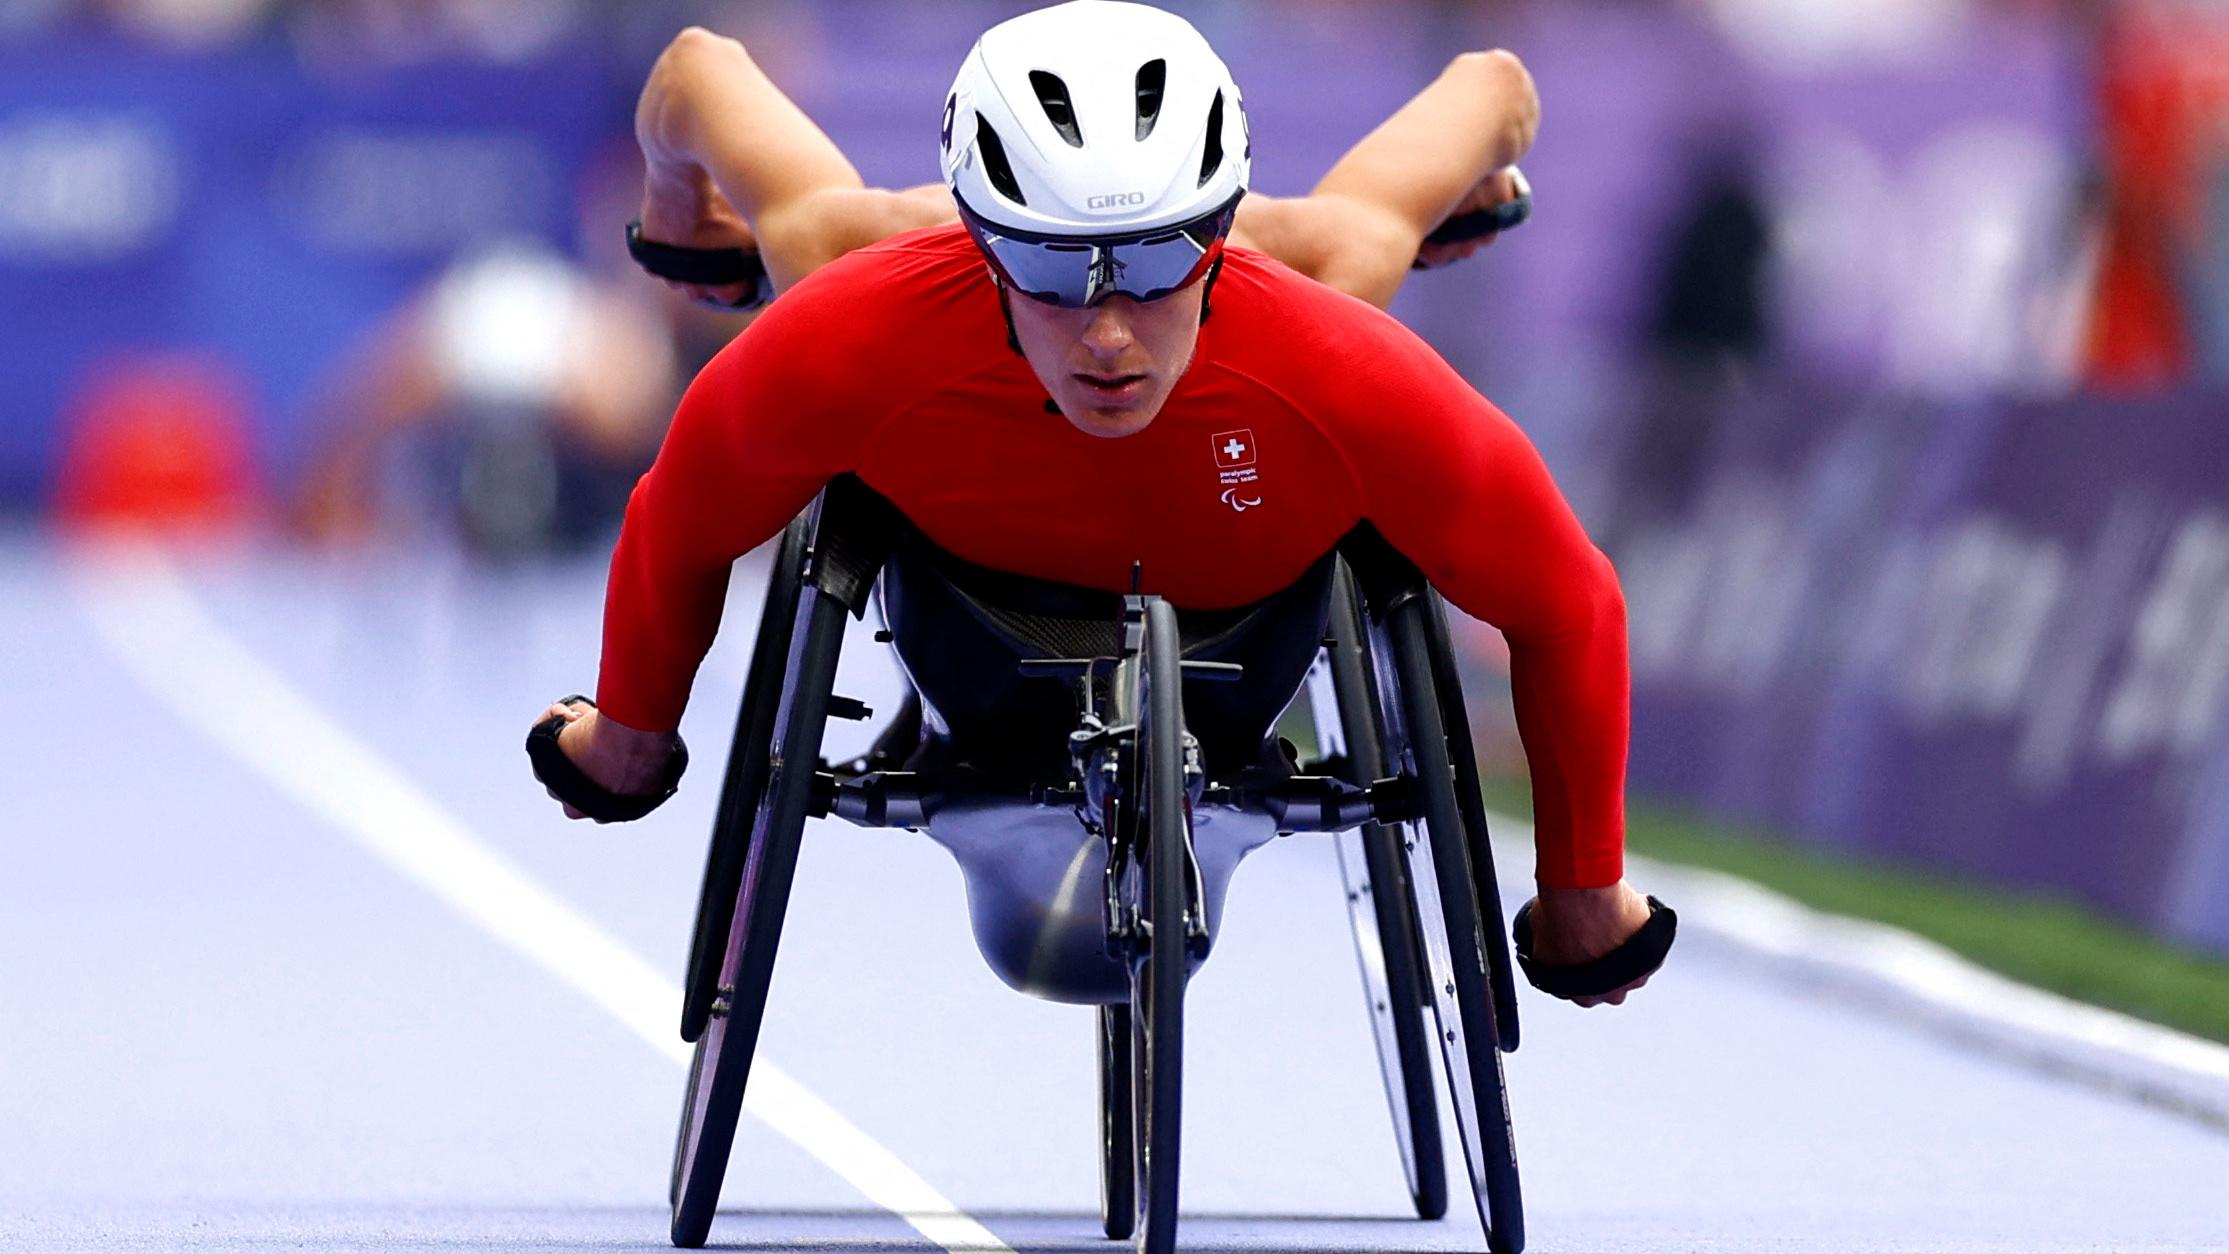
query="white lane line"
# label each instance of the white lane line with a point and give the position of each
(2130, 1055)
(140, 606)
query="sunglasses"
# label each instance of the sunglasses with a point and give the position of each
(1075, 273)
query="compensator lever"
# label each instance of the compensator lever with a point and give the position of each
(876, 799)
(1323, 803)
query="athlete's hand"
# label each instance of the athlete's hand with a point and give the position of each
(1498, 188)
(613, 754)
(1575, 925)
(682, 206)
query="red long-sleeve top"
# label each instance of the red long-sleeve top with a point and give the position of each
(1303, 412)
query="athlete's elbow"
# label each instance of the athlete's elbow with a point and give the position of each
(696, 42)
(1605, 594)
(1514, 98)
(680, 88)
(689, 59)
(1589, 605)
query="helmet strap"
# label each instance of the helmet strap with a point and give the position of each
(1006, 311)
(1207, 290)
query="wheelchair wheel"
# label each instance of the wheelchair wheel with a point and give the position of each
(1161, 831)
(768, 862)
(1446, 884)
(1118, 1159)
(745, 782)
(1382, 911)
(1470, 798)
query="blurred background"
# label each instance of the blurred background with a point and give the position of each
(1885, 345)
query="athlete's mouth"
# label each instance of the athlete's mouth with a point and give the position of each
(1111, 384)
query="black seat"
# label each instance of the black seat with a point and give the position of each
(960, 630)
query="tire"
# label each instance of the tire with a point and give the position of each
(1470, 798)
(744, 784)
(1445, 884)
(1118, 1154)
(721, 1069)
(1158, 975)
(1379, 904)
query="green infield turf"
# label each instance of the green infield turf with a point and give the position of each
(2050, 942)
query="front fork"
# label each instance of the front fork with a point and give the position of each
(1108, 761)
(1113, 810)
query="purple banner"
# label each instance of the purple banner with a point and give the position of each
(1992, 639)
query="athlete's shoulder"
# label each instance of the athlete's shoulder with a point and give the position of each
(931, 245)
(1277, 320)
(884, 311)
(930, 265)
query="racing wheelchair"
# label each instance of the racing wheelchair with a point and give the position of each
(1098, 765)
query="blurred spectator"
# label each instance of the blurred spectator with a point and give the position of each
(516, 398)
(1806, 32)
(2161, 312)
(1707, 333)
(359, 34)
(188, 25)
(19, 18)
(1710, 300)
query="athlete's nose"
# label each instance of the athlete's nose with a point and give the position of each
(1109, 332)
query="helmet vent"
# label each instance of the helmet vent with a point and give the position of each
(1153, 76)
(1059, 110)
(995, 165)
(1212, 159)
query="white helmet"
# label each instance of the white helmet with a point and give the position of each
(1094, 118)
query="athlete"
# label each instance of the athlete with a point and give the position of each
(730, 162)
(1084, 382)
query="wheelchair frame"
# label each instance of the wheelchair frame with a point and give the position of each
(1398, 783)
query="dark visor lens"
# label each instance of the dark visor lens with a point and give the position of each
(1076, 273)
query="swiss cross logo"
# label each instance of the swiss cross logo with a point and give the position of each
(1235, 471)
(1234, 448)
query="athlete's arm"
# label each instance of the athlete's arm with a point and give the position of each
(1455, 486)
(731, 162)
(1445, 152)
(764, 427)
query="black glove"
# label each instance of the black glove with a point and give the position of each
(1480, 223)
(706, 267)
(574, 788)
(1640, 956)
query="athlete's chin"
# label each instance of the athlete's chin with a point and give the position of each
(1110, 422)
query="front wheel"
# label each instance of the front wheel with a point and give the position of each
(1118, 1155)
(1158, 974)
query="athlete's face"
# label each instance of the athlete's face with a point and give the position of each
(1111, 367)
